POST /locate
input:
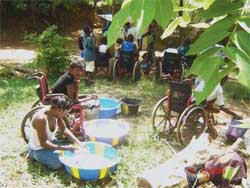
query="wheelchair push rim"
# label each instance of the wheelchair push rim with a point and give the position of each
(137, 72)
(164, 120)
(27, 123)
(192, 122)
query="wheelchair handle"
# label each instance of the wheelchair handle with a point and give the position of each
(35, 75)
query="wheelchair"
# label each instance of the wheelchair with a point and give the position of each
(175, 114)
(126, 63)
(102, 62)
(76, 114)
(170, 67)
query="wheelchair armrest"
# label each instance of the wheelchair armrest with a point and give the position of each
(87, 98)
(55, 94)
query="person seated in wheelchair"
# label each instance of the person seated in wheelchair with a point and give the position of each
(68, 83)
(102, 54)
(216, 97)
(43, 144)
(128, 53)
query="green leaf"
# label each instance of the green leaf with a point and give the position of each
(222, 7)
(147, 15)
(212, 35)
(242, 39)
(164, 12)
(198, 63)
(245, 24)
(201, 3)
(135, 10)
(171, 28)
(211, 75)
(117, 23)
(243, 63)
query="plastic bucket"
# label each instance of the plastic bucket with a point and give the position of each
(108, 108)
(130, 106)
(88, 172)
(109, 131)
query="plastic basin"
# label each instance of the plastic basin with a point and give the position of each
(130, 106)
(101, 160)
(108, 108)
(109, 131)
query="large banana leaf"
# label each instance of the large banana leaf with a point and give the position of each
(222, 7)
(212, 35)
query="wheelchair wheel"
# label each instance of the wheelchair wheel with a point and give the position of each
(115, 70)
(164, 120)
(111, 64)
(158, 73)
(26, 123)
(192, 122)
(137, 71)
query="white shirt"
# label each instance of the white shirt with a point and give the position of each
(34, 142)
(103, 48)
(217, 93)
(133, 31)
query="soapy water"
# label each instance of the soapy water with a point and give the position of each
(86, 160)
(106, 130)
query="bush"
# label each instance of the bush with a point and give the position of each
(236, 91)
(52, 55)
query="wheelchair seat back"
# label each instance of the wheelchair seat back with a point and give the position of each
(180, 94)
(126, 57)
(171, 61)
(43, 88)
(101, 59)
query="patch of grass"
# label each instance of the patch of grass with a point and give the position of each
(15, 92)
(140, 152)
(236, 91)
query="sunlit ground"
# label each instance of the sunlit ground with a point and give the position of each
(17, 55)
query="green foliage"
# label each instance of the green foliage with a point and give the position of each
(143, 12)
(233, 13)
(222, 7)
(165, 12)
(15, 91)
(209, 38)
(52, 55)
(236, 91)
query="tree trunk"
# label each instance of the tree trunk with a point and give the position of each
(1, 20)
(113, 6)
(180, 13)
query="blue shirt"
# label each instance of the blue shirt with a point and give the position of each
(89, 49)
(128, 46)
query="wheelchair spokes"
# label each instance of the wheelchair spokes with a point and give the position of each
(191, 123)
(164, 120)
